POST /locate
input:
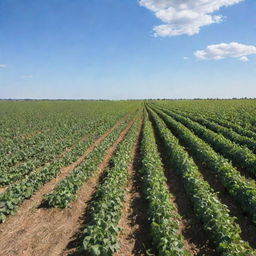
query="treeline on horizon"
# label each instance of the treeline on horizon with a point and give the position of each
(150, 99)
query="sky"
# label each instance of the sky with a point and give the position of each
(127, 49)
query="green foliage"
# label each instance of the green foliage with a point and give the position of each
(29, 181)
(24, 189)
(241, 156)
(100, 234)
(66, 190)
(240, 115)
(46, 151)
(240, 188)
(225, 131)
(35, 133)
(225, 233)
(163, 217)
(39, 138)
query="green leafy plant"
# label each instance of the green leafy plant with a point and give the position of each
(215, 216)
(100, 234)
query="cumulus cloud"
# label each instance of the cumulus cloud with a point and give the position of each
(244, 59)
(223, 50)
(3, 66)
(185, 16)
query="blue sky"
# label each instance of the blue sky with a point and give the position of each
(110, 49)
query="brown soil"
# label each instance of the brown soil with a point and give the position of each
(27, 135)
(3, 189)
(39, 231)
(75, 242)
(237, 165)
(134, 238)
(244, 172)
(247, 226)
(54, 158)
(24, 137)
(196, 239)
(62, 154)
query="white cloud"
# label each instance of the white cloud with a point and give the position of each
(185, 16)
(3, 66)
(27, 76)
(185, 58)
(244, 59)
(223, 50)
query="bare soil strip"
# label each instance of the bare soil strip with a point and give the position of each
(242, 170)
(39, 231)
(27, 135)
(248, 228)
(245, 223)
(196, 239)
(134, 238)
(77, 237)
(2, 189)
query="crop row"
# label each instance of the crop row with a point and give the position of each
(226, 132)
(20, 150)
(163, 216)
(25, 188)
(13, 152)
(57, 123)
(241, 156)
(66, 189)
(241, 189)
(40, 159)
(100, 234)
(44, 146)
(40, 146)
(235, 113)
(235, 127)
(225, 233)
(217, 120)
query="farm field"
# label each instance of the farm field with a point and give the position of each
(154, 177)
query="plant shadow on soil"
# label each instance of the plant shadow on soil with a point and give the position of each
(137, 216)
(246, 225)
(197, 238)
(74, 248)
(248, 228)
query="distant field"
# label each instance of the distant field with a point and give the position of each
(167, 177)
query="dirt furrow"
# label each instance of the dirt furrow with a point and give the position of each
(2, 189)
(28, 135)
(77, 236)
(62, 154)
(196, 239)
(39, 231)
(134, 238)
(248, 228)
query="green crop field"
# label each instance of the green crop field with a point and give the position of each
(154, 177)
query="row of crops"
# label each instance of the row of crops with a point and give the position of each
(221, 139)
(24, 182)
